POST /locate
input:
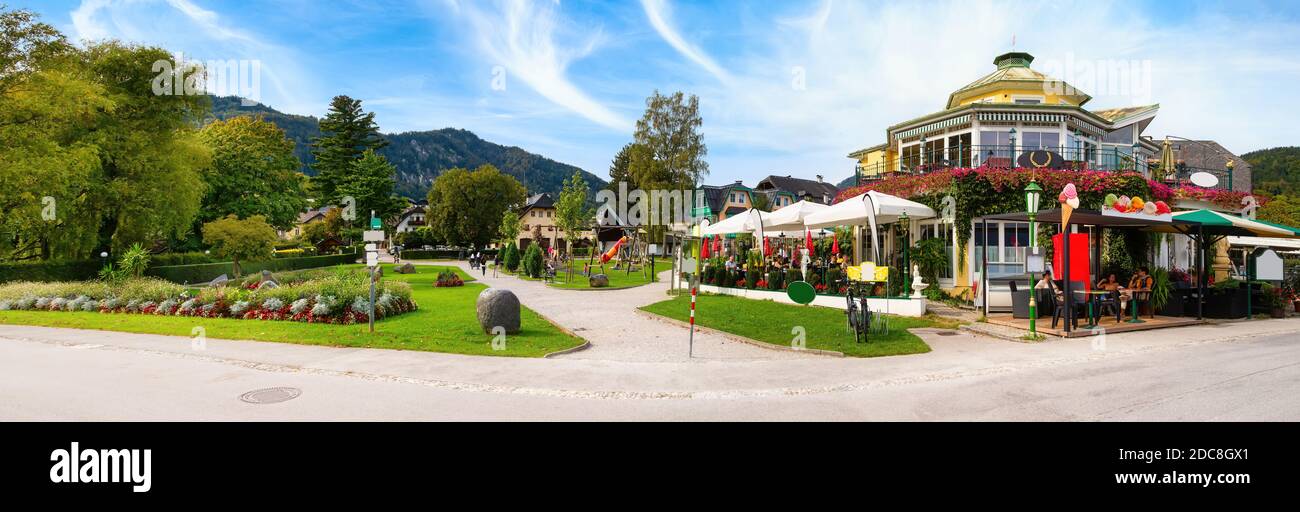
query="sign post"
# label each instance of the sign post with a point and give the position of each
(376, 234)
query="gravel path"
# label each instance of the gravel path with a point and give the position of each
(609, 320)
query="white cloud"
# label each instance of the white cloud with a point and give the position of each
(523, 37)
(660, 14)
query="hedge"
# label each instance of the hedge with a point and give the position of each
(444, 254)
(73, 270)
(205, 272)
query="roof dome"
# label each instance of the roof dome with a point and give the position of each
(1013, 72)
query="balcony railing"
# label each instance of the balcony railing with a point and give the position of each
(1003, 157)
(1000, 157)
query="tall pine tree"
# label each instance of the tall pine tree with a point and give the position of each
(347, 132)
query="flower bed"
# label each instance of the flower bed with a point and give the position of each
(448, 279)
(339, 298)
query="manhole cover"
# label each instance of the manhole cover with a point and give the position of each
(947, 333)
(270, 395)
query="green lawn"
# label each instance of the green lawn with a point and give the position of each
(617, 278)
(773, 322)
(445, 322)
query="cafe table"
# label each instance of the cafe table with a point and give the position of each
(1092, 296)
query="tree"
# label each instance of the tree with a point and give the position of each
(571, 213)
(1282, 209)
(668, 148)
(369, 181)
(668, 151)
(467, 207)
(149, 182)
(46, 100)
(253, 172)
(532, 261)
(619, 171)
(90, 156)
(761, 202)
(315, 233)
(251, 239)
(510, 227)
(347, 132)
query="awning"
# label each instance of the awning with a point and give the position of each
(1284, 244)
(1222, 224)
(871, 207)
(791, 217)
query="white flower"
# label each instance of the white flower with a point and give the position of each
(299, 306)
(238, 308)
(273, 304)
(166, 307)
(5, 305)
(57, 303)
(188, 305)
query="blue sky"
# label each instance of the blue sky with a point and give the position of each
(786, 87)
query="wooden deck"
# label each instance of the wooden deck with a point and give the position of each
(1108, 323)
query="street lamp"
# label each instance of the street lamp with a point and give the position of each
(1136, 146)
(904, 228)
(1230, 165)
(1033, 192)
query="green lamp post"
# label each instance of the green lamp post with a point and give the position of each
(904, 228)
(1033, 192)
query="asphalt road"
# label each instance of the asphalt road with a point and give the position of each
(1186, 374)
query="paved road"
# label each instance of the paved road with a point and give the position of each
(1247, 371)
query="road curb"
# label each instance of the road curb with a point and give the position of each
(738, 338)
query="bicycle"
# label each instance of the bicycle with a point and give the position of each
(858, 313)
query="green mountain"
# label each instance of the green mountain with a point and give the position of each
(422, 156)
(1275, 171)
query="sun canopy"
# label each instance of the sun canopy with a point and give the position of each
(791, 217)
(738, 223)
(865, 209)
(1221, 224)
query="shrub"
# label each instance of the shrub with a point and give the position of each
(793, 275)
(511, 257)
(202, 273)
(532, 261)
(448, 278)
(752, 277)
(774, 280)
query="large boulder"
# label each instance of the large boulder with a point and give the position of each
(598, 281)
(405, 268)
(498, 307)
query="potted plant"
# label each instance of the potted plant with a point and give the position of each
(1164, 298)
(1275, 301)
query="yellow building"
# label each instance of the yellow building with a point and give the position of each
(1005, 113)
(992, 121)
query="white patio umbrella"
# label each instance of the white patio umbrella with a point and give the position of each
(791, 217)
(738, 223)
(869, 209)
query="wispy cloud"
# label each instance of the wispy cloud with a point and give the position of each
(660, 15)
(524, 37)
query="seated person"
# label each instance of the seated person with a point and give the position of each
(1111, 284)
(1141, 281)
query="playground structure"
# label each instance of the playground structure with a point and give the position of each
(630, 253)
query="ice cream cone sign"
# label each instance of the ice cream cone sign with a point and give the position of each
(1069, 199)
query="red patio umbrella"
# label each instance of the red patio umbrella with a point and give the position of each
(717, 244)
(767, 247)
(808, 245)
(704, 249)
(835, 246)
